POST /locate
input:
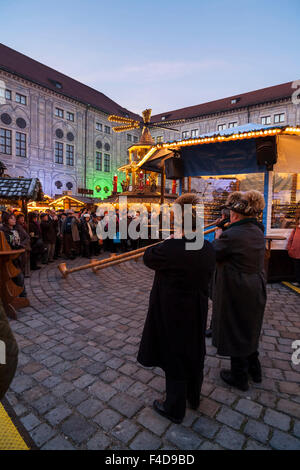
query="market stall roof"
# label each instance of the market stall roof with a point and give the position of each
(21, 188)
(80, 199)
(201, 154)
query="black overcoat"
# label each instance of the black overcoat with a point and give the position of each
(174, 332)
(49, 232)
(239, 289)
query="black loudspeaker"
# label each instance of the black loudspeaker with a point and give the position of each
(174, 168)
(266, 151)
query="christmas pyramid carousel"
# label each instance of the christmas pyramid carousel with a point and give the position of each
(140, 186)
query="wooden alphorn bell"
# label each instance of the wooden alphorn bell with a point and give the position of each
(97, 264)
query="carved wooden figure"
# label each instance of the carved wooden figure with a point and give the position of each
(9, 291)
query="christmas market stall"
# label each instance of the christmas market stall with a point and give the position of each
(40, 206)
(265, 158)
(75, 203)
(16, 193)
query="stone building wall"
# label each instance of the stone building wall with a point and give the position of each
(41, 127)
(209, 124)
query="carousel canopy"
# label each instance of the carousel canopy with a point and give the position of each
(21, 188)
(237, 150)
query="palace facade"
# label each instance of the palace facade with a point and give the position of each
(56, 129)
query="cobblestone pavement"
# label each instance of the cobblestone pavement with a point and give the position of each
(78, 385)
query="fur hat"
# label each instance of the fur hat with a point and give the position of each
(187, 198)
(256, 202)
(249, 203)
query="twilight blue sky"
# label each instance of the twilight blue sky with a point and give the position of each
(164, 54)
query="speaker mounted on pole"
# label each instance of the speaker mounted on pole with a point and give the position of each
(266, 151)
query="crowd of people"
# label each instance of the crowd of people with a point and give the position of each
(51, 235)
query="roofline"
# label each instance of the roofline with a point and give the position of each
(31, 80)
(197, 116)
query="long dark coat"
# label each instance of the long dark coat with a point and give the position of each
(174, 332)
(239, 290)
(49, 232)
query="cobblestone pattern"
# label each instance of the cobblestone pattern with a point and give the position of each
(79, 386)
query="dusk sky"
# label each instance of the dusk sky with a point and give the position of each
(164, 54)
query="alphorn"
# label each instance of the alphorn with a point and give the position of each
(133, 255)
(112, 260)
(94, 263)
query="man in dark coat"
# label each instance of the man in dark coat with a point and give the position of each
(239, 291)
(174, 332)
(86, 235)
(49, 234)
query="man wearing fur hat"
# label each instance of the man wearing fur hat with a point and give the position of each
(174, 332)
(239, 292)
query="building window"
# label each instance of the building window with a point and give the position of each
(59, 112)
(266, 120)
(129, 138)
(195, 133)
(59, 152)
(232, 124)
(107, 130)
(70, 116)
(135, 139)
(70, 155)
(221, 127)
(99, 161)
(5, 94)
(185, 134)
(5, 141)
(106, 162)
(21, 99)
(279, 118)
(159, 139)
(98, 126)
(20, 144)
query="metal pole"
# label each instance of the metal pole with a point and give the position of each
(85, 144)
(162, 184)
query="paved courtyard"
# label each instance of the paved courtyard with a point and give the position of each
(78, 385)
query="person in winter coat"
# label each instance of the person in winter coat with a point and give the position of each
(222, 223)
(174, 333)
(49, 234)
(293, 247)
(13, 238)
(8, 353)
(71, 235)
(86, 235)
(24, 242)
(239, 290)
(37, 245)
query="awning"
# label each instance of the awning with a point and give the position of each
(250, 148)
(156, 160)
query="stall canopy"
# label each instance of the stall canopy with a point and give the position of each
(21, 189)
(230, 151)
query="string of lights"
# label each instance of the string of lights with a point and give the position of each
(238, 136)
